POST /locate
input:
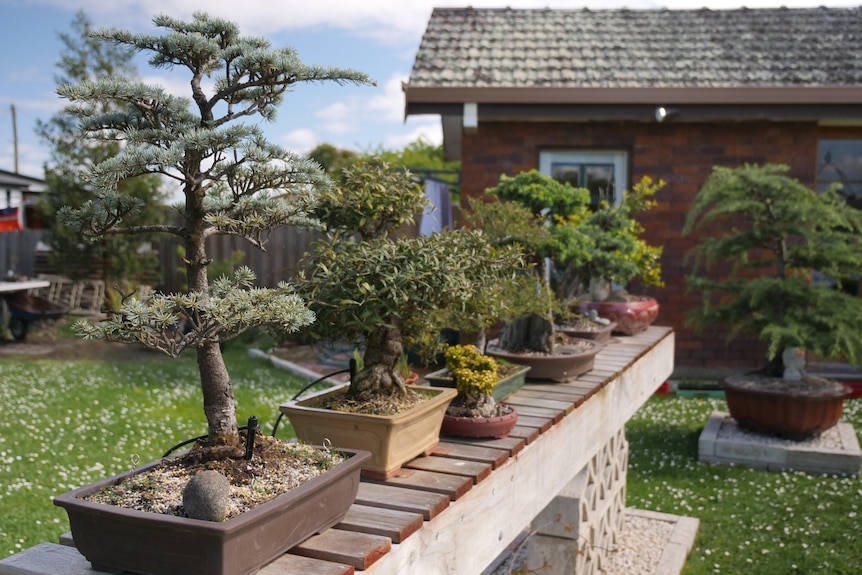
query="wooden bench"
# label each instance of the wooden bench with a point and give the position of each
(561, 471)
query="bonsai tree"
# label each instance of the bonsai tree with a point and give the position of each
(543, 216)
(616, 253)
(381, 288)
(475, 376)
(233, 181)
(767, 234)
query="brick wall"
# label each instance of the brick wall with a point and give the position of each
(683, 155)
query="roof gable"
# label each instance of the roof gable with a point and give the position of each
(640, 48)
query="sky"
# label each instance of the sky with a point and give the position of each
(378, 37)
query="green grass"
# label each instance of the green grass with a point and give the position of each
(751, 522)
(66, 424)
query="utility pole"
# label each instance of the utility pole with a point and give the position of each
(15, 137)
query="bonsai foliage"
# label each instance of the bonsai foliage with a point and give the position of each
(475, 374)
(616, 251)
(233, 182)
(370, 284)
(765, 235)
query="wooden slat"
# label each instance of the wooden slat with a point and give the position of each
(528, 434)
(453, 486)
(554, 415)
(525, 399)
(426, 503)
(513, 444)
(289, 564)
(397, 525)
(360, 550)
(475, 470)
(496, 457)
(559, 392)
(543, 424)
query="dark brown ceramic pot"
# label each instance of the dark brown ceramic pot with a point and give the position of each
(490, 427)
(565, 365)
(793, 410)
(631, 317)
(121, 540)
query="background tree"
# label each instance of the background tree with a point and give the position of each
(233, 181)
(761, 236)
(121, 259)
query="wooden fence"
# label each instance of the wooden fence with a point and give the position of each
(286, 246)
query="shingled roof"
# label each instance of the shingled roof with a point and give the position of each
(472, 48)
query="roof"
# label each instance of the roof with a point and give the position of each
(761, 57)
(704, 48)
(15, 181)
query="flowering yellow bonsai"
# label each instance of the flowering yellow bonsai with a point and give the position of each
(475, 376)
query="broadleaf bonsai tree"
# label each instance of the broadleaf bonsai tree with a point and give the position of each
(233, 181)
(383, 289)
(762, 238)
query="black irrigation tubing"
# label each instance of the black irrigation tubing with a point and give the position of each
(350, 370)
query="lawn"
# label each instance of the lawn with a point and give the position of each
(69, 423)
(751, 522)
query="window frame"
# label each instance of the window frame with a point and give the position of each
(585, 158)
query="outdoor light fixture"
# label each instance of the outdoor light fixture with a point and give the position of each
(661, 113)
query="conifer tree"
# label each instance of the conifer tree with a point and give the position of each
(118, 257)
(233, 181)
(762, 237)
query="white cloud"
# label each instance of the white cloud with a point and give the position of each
(427, 127)
(391, 100)
(337, 118)
(301, 141)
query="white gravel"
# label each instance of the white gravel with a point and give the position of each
(829, 439)
(637, 552)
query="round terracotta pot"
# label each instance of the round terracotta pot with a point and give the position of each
(631, 317)
(793, 410)
(496, 427)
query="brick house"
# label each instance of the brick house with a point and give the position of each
(605, 97)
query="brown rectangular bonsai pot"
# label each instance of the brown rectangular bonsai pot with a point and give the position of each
(119, 540)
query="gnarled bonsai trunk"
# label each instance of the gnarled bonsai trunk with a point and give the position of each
(383, 348)
(532, 332)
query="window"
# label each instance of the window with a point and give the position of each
(841, 161)
(603, 173)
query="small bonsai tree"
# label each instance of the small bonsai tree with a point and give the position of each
(767, 234)
(475, 376)
(383, 289)
(616, 251)
(233, 181)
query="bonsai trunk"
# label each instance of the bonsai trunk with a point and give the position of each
(379, 376)
(219, 401)
(600, 289)
(532, 332)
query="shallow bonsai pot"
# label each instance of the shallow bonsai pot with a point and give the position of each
(631, 317)
(504, 388)
(560, 368)
(793, 410)
(392, 440)
(490, 427)
(121, 540)
(602, 335)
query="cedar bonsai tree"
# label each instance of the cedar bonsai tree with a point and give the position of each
(372, 284)
(232, 179)
(773, 233)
